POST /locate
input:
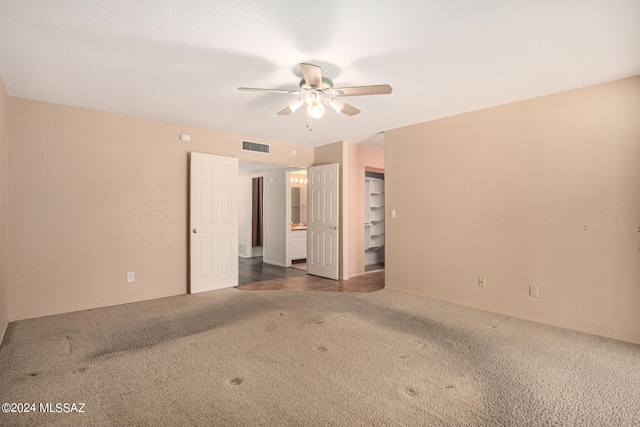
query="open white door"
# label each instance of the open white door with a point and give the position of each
(322, 220)
(213, 222)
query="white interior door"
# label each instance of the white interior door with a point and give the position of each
(322, 220)
(213, 222)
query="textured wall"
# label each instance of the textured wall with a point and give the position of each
(4, 211)
(94, 195)
(359, 157)
(275, 214)
(544, 192)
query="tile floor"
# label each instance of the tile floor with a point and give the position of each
(255, 275)
(251, 270)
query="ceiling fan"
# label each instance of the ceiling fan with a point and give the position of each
(317, 91)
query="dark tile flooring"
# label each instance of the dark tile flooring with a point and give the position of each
(374, 267)
(252, 270)
(255, 275)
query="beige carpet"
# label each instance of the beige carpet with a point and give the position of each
(275, 358)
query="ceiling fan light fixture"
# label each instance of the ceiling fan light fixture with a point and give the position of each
(337, 104)
(311, 97)
(316, 110)
(317, 91)
(294, 104)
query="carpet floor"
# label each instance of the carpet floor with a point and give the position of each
(275, 358)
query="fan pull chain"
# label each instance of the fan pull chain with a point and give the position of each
(309, 122)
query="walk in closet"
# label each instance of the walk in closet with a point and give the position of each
(374, 218)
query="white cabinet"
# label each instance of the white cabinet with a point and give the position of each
(298, 244)
(374, 220)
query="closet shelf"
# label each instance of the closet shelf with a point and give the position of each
(374, 219)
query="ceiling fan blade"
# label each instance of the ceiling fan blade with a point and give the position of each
(362, 90)
(285, 112)
(255, 89)
(350, 110)
(312, 75)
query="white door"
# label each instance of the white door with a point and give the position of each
(213, 222)
(322, 221)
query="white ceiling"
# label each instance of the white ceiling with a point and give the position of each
(183, 60)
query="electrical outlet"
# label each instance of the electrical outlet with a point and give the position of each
(533, 291)
(481, 282)
(131, 276)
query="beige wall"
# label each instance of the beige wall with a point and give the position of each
(93, 195)
(543, 192)
(4, 210)
(359, 158)
(338, 153)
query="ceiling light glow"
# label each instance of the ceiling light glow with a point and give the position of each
(316, 110)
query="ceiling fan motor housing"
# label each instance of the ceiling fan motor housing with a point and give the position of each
(327, 84)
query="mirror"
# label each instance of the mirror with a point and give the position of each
(295, 205)
(298, 199)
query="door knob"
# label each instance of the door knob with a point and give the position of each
(333, 227)
(195, 230)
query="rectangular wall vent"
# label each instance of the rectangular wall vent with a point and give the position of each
(256, 147)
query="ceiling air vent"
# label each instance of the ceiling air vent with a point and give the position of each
(256, 147)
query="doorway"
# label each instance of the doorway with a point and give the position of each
(285, 242)
(298, 219)
(262, 249)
